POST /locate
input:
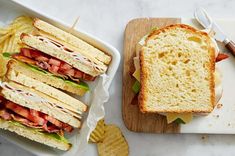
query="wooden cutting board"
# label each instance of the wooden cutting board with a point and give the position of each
(133, 118)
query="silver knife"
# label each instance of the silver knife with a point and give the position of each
(208, 23)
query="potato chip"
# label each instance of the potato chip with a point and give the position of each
(10, 36)
(97, 134)
(3, 68)
(114, 143)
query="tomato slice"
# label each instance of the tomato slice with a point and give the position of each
(221, 56)
(78, 74)
(42, 59)
(65, 66)
(55, 62)
(53, 69)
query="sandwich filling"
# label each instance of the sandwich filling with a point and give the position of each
(11, 111)
(51, 64)
(76, 55)
(19, 90)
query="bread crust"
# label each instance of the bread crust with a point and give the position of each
(144, 75)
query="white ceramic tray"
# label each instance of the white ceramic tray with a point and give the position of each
(11, 9)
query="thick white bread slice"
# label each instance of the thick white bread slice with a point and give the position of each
(19, 77)
(81, 45)
(45, 78)
(177, 66)
(31, 134)
(76, 60)
(40, 102)
(68, 46)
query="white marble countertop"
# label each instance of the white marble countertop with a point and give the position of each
(107, 20)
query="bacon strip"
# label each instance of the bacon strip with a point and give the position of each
(31, 118)
(5, 115)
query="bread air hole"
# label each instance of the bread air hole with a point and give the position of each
(174, 63)
(160, 55)
(204, 47)
(179, 54)
(204, 65)
(186, 61)
(173, 34)
(195, 39)
(187, 72)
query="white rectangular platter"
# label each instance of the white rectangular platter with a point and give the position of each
(8, 11)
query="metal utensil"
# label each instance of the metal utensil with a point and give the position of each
(208, 23)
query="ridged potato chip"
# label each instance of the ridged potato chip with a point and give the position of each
(114, 143)
(10, 38)
(98, 134)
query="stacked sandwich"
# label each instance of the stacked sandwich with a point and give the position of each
(30, 103)
(64, 61)
(176, 74)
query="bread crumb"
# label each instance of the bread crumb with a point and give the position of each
(219, 106)
(205, 137)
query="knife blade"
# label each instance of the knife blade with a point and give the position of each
(208, 23)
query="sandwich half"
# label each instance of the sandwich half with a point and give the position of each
(162, 48)
(62, 55)
(36, 116)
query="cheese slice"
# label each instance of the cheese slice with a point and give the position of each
(186, 117)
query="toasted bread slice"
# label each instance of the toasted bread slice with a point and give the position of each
(46, 78)
(81, 45)
(34, 135)
(75, 59)
(38, 101)
(18, 76)
(177, 65)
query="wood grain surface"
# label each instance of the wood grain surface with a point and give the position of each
(132, 117)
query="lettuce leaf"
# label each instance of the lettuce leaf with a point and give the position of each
(136, 87)
(179, 121)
